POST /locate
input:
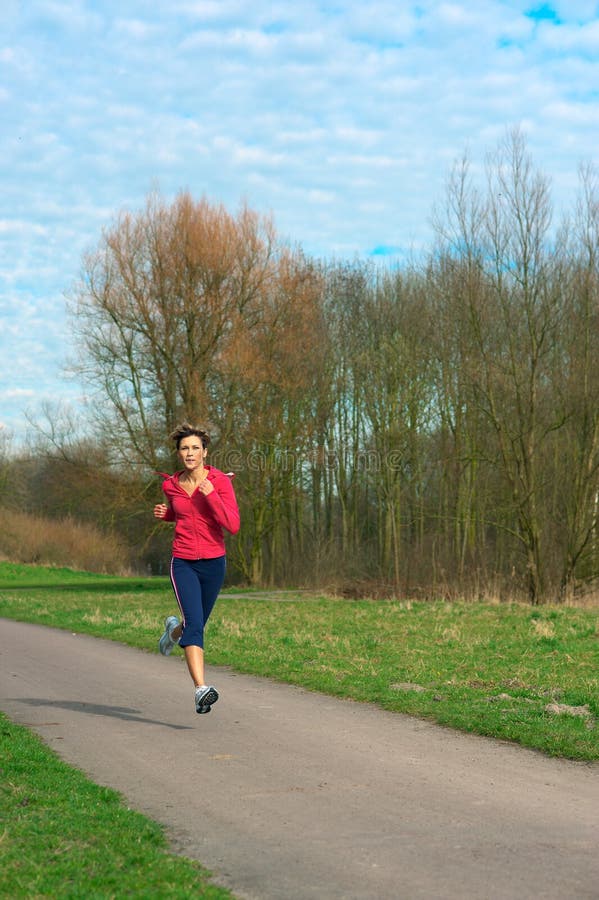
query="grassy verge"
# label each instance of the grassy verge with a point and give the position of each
(512, 672)
(63, 836)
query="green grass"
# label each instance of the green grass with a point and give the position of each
(63, 836)
(483, 668)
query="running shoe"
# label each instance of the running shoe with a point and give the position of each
(166, 643)
(205, 697)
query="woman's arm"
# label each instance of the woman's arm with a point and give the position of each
(223, 504)
(164, 511)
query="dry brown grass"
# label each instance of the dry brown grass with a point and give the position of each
(26, 538)
(494, 591)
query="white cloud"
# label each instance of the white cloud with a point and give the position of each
(571, 38)
(568, 113)
(16, 393)
(20, 227)
(456, 15)
(71, 15)
(136, 29)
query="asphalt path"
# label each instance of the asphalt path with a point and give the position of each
(290, 795)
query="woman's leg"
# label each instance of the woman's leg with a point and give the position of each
(194, 657)
(211, 573)
(196, 584)
(188, 593)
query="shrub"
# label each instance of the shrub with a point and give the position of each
(26, 538)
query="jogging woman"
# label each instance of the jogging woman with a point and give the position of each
(200, 500)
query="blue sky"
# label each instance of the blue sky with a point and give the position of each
(342, 119)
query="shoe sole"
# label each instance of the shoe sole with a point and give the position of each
(208, 699)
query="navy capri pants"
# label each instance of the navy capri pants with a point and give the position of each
(196, 583)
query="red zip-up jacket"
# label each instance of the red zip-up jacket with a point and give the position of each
(200, 519)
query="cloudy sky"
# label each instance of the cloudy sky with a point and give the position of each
(342, 119)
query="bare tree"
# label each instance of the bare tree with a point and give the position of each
(518, 309)
(456, 283)
(157, 305)
(527, 316)
(268, 380)
(393, 371)
(576, 505)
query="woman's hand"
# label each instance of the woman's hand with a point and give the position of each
(206, 487)
(160, 510)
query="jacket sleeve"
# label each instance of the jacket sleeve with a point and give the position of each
(223, 504)
(170, 515)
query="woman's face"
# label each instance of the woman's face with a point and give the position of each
(191, 452)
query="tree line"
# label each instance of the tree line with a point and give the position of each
(426, 429)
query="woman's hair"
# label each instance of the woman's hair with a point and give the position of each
(186, 430)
